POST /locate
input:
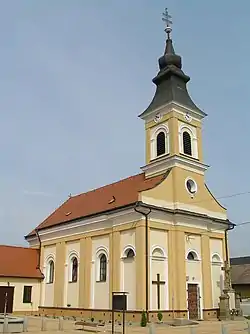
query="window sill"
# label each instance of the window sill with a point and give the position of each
(72, 282)
(101, 281)
(189, 156)
(24, 302)
(49, 283)
(159, 157)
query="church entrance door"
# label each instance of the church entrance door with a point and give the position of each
(193, 301)
(6, 298)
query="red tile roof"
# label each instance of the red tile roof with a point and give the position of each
(19, 262)
(112, 196)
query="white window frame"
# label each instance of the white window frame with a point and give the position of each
(126, 250)
(49, 259)
(70, 267)
(218, 257)
(196, 258)
(153, 141)
(194, 147)
(99, 252)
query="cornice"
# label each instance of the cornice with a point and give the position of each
(162, 164)
(176, 107)
(164, 215)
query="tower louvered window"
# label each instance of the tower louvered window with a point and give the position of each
(161, 143)
(187, 144)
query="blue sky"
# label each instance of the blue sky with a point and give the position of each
(75, 74)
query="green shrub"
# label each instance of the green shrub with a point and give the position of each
(92, 319)
(143, 319)
(159, 316)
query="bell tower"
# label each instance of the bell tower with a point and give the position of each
(172, 120)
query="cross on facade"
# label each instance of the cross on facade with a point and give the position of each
(158, 282)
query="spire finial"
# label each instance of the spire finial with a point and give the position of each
(168, 21)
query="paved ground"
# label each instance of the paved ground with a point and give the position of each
(204, 327)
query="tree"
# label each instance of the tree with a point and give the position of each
(143, 319)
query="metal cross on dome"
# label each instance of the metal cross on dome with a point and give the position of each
(168, 21)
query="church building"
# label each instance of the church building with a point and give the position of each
(158, 235)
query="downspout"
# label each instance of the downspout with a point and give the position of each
(39, 254)
(146, 251)
(229, 228)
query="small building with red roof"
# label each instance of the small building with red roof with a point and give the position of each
(20, 279)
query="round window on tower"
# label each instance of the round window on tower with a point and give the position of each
(191, 186)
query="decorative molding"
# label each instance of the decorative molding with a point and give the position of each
(130, 216)
(164, 163)
(191, 250)
(153, 140)
(192, 194)
(191, 130)
(125, 249)
(155, 247)
(102, 250)
(217, 255)
(176, 107)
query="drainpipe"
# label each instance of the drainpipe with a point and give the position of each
(40, 246)
(229, 228)
(145, 214)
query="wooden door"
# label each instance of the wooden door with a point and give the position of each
(6, 294)
(193, 299)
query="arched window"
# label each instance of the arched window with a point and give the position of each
(51, 270)
(158, 253)
(103, 268)
(74, 269)
(216, 259)
(187, 143)
(130, 253)
(192, 256)
(161, 143)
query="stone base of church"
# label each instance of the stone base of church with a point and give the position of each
(133, 316)
(210, 314)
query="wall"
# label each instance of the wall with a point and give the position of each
(217, 275)
(100, 290)
(71, 289)
(194, 268)
(47, 289)
(167, 232)
(19, 283)
(128, 267)
(159, 265)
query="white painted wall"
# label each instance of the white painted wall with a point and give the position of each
(194, 268)
(18, 284)
(71, 289)
(217, 275)
(158, 265)
(99, 290)
(128, 268)
(47, 289)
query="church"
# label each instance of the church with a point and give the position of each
(159, 235)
